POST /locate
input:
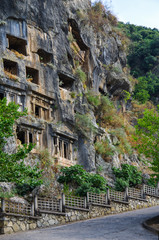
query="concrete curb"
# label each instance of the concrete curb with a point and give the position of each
(147, 224)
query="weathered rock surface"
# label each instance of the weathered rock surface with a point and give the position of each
(45, 79)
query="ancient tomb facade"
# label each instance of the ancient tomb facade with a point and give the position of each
(29, 79)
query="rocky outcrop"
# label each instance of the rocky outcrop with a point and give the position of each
(45, 46)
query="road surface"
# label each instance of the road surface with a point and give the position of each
(125, 226)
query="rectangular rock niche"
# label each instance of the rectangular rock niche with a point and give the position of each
(44, 56)
(65, 82)
(17, 44)
(32, 75)
(10, 67)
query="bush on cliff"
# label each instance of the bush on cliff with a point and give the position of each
(127, 176)
(12, 166)
(82, 181)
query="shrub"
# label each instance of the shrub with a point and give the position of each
(128, 175)
(82, 181)
(73, 95)
(93, 98)
(153, 181)
(79, 73)
(12, 166)
(121, 184)
(124, 145)
(104, 149)
(84, 124)
(107, 115)
(4, 194)
(99, 15)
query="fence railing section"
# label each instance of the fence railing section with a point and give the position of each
(73, 201)
(151, 191)
(8, 206)
(136, 193)
(58, 205)
(48, 204)
(99, 199)
(118, 196)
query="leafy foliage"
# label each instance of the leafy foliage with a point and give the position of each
(12, 166)
(147, 138)
(81, 74)
(123, 146)
(93, 98)
(143, 59)
(4, 194)
(127, 176)
(147, 88)
(104, 148)
(82, 181)
(84, 124)
(144, 48)
(107, 115)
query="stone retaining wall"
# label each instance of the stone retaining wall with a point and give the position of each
(13, 223)
(10, 223)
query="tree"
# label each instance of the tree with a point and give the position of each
(12, 166)
(147, 138)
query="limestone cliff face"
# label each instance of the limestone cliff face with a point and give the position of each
(42, 45)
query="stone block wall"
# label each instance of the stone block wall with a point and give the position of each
(10, 223)
(14, 223)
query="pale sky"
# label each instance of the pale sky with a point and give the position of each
(138, 12)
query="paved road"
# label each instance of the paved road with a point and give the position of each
(125, 226)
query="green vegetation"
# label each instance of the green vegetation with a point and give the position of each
(100, 15)
(4, 194)
(93, 98)
(127, 176)
(81, 181)
(143, 59)
(81, 74)
(84, 124)
(147, 88)
(12, 166)
(104, 149)
(147, 138)
(107, 115)
(123, 145)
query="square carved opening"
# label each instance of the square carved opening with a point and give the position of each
(44, 56)
(65, 82)
(17, 44)
(32, 75)
(10, 67)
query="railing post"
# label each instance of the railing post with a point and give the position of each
(85, 202)
(157, 189)
(63, 201)
(32, 208)
(126, 194)
(87, 197)
(60, 205)
(3, 205)
(108, 196)
(36, 203)
(143, 191)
